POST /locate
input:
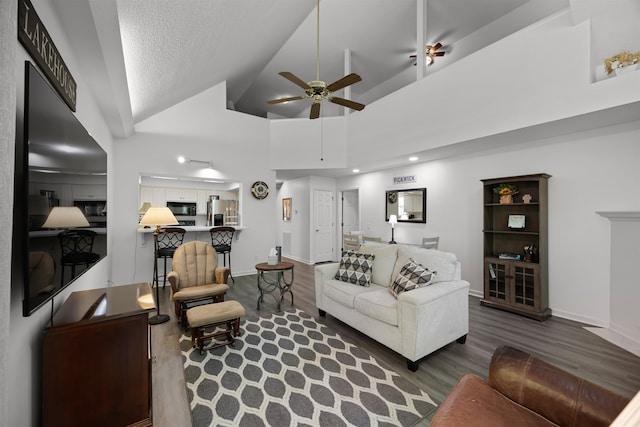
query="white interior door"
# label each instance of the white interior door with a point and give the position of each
(323, 225)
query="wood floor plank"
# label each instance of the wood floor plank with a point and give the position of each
(561, 342)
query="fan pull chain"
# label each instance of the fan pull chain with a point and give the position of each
(321, 139)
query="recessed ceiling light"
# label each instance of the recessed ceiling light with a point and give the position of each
(413, 158)
(356, 170)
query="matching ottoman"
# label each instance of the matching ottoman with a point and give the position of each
(225, 313)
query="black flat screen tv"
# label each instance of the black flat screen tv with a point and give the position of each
(57, 164)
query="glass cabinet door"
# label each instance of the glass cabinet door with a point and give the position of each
(525, 277)
(496, 281)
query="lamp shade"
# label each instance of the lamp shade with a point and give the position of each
(393, 220)
(65, 217)
(158, 216)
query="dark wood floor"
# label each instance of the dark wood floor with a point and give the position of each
(562, 342)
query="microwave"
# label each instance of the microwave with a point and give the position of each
(182, 208)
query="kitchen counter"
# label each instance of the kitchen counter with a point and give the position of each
(55, 232)
(188, 228)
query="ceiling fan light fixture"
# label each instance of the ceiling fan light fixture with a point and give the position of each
(430, 53)
(317, 89)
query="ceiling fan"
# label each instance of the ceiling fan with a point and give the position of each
(431, 52)
(317, 89)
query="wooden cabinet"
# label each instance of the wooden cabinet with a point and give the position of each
(96, 364)
(516, 245)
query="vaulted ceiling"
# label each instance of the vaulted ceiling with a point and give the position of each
(141, 57)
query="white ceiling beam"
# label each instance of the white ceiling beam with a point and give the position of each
(347, 70)
(421, 38)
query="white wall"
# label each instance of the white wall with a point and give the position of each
(23, 365)
(591, 171)
(7, 143)
(200, 128)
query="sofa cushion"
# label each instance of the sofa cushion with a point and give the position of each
(444, 263)
(378, 304)
(411, 276)
(355, 268)
(346, 293)
(386, 256)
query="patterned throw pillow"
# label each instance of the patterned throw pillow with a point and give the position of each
(411, 276)
(355, 268)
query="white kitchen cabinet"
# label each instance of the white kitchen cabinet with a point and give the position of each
(181, 195)
(154, 195)
(89, 192)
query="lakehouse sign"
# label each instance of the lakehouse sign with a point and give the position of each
(35, 38)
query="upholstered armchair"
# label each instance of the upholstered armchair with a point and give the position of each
(196, 277)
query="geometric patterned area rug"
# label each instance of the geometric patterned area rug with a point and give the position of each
(289, 370)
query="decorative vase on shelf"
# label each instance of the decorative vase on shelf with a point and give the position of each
(506, 199)
(505, 193)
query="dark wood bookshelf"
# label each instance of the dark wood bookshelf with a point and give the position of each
(517, 281)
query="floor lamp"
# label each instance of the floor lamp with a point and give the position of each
(158, 216)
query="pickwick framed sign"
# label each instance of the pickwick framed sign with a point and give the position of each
(36, 40)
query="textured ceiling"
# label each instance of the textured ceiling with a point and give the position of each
(141, 57)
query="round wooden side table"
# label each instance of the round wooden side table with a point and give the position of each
(269, 286)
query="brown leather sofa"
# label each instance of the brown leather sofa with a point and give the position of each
(525, 391)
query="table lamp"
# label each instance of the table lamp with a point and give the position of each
(393, 220)
(158, 216)
(65, 217)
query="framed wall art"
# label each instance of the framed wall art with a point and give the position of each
(286, 209)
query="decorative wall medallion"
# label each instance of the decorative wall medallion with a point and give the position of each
(260, 190)
(392, 197)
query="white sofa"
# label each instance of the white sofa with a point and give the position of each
(414, 324)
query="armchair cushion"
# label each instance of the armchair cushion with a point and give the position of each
(198, 292)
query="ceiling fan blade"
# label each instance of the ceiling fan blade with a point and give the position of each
(281, 100)
(436, 46)
(295, 79)
(347, 103)
(344, 82)
(315, 110)
(438, 54)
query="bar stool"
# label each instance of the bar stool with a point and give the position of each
(221, 238)
(76, 248)
(165, 244)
